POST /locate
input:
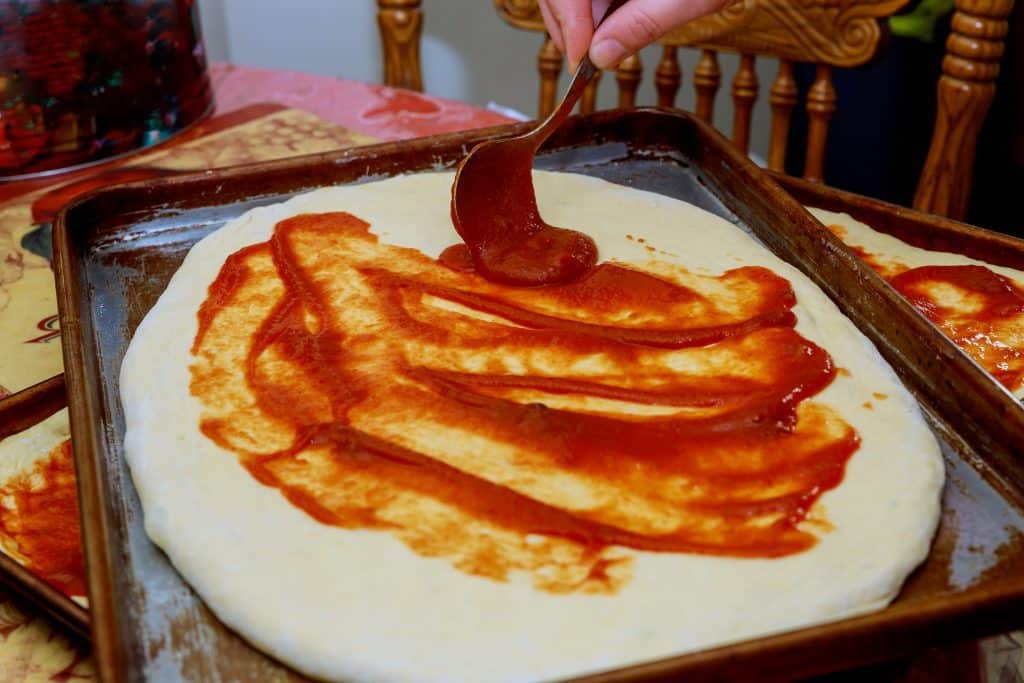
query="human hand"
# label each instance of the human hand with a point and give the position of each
(636, 24)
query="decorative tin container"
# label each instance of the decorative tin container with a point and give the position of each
(86, 80)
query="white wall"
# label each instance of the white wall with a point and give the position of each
(469, 54)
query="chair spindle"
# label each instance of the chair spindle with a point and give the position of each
(821, 104)
(400, 23)
(707, 78)
(783, 99)
(668, 76)
(744, 94)
(549, 64)
(588, 101)
(628, 76)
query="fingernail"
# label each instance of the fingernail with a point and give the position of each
(607, 53)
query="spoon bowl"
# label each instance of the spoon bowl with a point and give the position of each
(494, 207)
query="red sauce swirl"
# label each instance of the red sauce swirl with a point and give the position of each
(508, 429)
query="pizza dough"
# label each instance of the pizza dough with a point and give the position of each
(1001, 350)
(346, 604)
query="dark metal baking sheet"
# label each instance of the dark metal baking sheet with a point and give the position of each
(116, 250)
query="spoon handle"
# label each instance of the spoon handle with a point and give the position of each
(584, 73)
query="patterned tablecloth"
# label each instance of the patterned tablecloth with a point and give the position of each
(261, 115)
(312, 114)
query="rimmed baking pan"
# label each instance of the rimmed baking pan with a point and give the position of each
(19, 412)
(116, 249)
(924, 230)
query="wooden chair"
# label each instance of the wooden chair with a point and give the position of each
(828, 33)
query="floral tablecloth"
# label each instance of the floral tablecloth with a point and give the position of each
(260, 115)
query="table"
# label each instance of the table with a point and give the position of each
(262, 115)
(255, 120)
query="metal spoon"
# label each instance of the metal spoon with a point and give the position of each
(494, 208)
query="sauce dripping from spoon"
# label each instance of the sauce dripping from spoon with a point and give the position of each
(494, 207)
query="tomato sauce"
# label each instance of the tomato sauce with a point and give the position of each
(676, 417)
(39, 514)
(980, 310)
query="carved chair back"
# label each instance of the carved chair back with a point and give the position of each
(827, 33)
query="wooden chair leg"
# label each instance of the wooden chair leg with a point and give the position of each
(668, 76)
(783, 99)
(707, 77)
(549, 64)
(401, 24)
(821, 104)
(744, 94)
(628, 76)
(965, 93)
(588, 102)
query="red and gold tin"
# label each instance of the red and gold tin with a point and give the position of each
(86, 80)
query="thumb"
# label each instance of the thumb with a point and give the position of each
(641, 22)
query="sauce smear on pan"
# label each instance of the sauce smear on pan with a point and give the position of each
(39, 514)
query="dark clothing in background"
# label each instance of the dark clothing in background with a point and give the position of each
(879, 135)
(881, 131)
(999, 173)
